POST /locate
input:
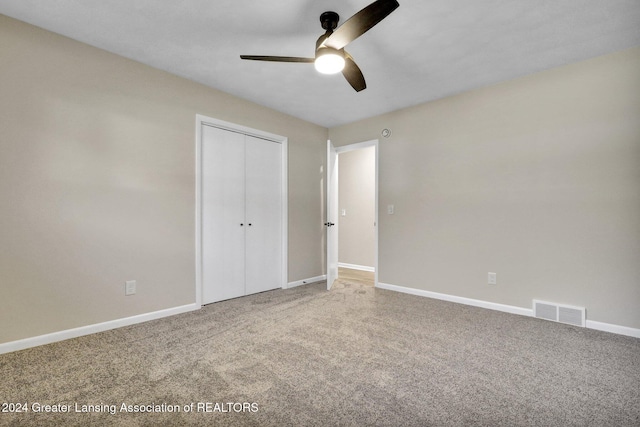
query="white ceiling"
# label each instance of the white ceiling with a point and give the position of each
(423, 51)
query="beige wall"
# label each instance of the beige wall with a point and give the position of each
(97, 182)
(356, 193)
(536, 179)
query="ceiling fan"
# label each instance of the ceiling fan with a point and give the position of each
(330, 56)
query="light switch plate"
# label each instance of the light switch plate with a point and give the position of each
(390, 209)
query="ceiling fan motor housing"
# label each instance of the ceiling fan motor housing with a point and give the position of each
(329, 20)
(334, 59)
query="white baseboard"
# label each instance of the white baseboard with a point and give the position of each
(615, 329)
(306, 281)
(460, 300)
(591, 324)
(8, 347)
(356, 267)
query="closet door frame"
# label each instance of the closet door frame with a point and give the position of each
(209, 121)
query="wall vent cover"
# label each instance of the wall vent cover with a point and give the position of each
(559, 313)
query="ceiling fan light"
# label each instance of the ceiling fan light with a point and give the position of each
(329, 61)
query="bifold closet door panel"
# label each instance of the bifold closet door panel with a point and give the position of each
(264, 213)
(223, 213)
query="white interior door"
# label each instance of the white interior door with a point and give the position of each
(332, 214)
(241, 179)
(263, 215)
(223, 212)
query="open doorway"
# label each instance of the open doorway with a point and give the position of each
(352, 205)
(356, 210)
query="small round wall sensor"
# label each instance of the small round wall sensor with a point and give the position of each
(386, 133)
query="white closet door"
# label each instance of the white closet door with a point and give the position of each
(223, 223)
(264, 213)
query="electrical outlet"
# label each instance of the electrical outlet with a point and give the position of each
(390, 209)
(491, 278)
(130, 287)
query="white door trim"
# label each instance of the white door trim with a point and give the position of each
(351, 147)
(202, 121)
(331, 225)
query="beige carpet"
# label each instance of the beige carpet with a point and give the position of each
(354, 356)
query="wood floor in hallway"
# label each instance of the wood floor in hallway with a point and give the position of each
(358, 276)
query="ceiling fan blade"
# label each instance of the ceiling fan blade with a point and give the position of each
(277, 58)
(360, 23)
(352, 73)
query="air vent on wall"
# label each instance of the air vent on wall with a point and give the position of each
(559, 313)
